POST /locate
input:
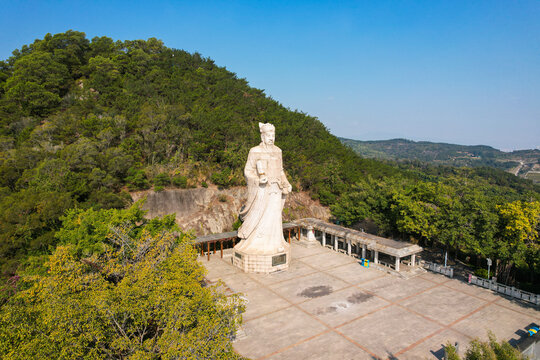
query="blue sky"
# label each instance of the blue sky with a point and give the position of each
(465, 72)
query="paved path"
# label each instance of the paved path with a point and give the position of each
(327, 306)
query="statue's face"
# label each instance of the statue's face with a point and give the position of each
(268, 137)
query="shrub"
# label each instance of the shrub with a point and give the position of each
(483, 273)
(236, 225)
(137, 180)
(180, 181)
(162, 179)
(326, 197)
(222, 178)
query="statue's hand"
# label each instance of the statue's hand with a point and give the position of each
(289, 188)
(263, 180)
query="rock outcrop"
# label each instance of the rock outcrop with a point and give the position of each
(211, 210)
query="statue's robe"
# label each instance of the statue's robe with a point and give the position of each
(262, 229)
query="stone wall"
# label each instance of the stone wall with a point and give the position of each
(210, 210)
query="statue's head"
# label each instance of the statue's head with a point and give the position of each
(268, 133)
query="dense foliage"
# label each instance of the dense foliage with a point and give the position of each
(140, 294)
(466, 211)
(83, 122)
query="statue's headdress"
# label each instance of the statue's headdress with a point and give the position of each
(266, 127)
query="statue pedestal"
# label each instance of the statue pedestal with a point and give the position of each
(262, 263)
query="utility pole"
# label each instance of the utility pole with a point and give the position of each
(489, 265)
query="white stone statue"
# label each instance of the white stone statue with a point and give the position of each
(262, 231)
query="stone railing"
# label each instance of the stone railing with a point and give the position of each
(445, 270)
(505, 289)
(408, 263)
(386, 265)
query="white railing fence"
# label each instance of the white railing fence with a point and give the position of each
(505, 289)
(387, 265)
(445, 270)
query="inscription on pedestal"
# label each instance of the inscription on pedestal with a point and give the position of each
(279, 259)
(238, 255)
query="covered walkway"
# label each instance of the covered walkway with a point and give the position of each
(342, 239)
(354, 242)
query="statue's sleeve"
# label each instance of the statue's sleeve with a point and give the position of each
(252, 180)
(250, 170)
(284, 180)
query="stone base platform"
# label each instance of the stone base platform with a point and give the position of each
(261, 263)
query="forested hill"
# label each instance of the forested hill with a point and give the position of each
(83, 122)
(443, 154)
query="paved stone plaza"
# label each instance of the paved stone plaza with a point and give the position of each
(327, 306)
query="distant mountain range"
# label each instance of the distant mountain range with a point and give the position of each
(525, 163)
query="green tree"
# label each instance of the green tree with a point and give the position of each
(486, 350)
(353, 206)
(518, 237)
(142, 298)
(414, 217)
(37, 83)
(69, 48)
